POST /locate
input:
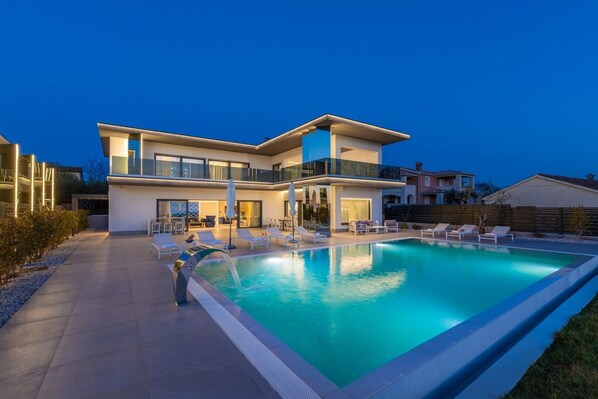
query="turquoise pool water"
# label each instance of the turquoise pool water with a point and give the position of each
(349, 309)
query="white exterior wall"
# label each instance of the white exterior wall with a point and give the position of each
(372, 151)
(288, 158)
(255, 161)
(339, 192)
(542, 192)
(132, 206)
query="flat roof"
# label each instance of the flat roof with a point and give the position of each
(281, 143)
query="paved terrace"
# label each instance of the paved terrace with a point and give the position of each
(104, 326)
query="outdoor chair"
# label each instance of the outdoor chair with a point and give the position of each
(275, 234)
(358, 227)
(179, 227)
(309, 236)
(209, 221)
(440, 228)
(167, 227)
(164, 244)
(391, 225)
(466, 229)
(207, 238)
(155, 227)
(496, 233)
(246, 235)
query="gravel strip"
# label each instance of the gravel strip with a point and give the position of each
(14, 294)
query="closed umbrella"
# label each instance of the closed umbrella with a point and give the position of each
(230, 210)
(292, 201)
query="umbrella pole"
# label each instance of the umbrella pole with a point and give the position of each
(230, 234)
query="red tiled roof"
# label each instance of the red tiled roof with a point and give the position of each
(587, 183)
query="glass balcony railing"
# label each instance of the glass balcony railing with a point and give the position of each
(322, 167)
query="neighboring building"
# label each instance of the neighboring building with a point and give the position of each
(427, 187)
(544, 190)
(335, 163)
(75, 171)
(25, 184)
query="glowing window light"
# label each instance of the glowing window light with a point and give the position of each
(16, 194)
(32, 177)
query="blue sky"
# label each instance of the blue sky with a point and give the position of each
(500, 89)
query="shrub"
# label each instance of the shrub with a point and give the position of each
(404, 226)
(82, 219)
(579, 222)
(416, 227)
(28, 237)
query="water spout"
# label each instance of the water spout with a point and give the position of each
(186, 263)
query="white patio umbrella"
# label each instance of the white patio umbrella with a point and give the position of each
(292, 201)
(230, 210)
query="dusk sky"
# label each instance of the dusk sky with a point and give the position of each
(501, 89)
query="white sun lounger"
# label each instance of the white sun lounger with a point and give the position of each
(164, 244)
(307, 236)
(466, 229)
(496, 233)
(207, 238)
(440, 228)
(246, 235)
(276, 234)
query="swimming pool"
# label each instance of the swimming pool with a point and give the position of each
(348, 310)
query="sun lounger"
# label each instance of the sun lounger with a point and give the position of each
(164, 244)
(308, 236)
(246, 235)
(207, 238)
(496, 233)
(440, 228)
(275, 234)
(466, 229)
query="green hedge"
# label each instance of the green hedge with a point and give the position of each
(27, 238)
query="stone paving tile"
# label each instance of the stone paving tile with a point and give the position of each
(37, 312)
(91, 304)
(19, 334)
(101, 318)
(20, 361)
(24, 386)
(94, 376)
(94, 342)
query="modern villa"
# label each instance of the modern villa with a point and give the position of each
(334, 162)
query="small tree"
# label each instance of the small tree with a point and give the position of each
(579, 222)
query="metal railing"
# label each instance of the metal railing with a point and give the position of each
(321, 167)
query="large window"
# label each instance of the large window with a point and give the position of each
(175, 166)
(223, 170)
(355, 209)
(193, 168)
(167, 165)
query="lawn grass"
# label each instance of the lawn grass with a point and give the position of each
(569, 367)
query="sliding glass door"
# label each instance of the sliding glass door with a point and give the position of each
(249, 214)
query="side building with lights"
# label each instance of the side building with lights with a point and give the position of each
(335, 164)
(25, 183)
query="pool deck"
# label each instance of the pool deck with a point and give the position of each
(105, 326)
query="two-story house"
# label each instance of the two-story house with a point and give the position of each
(427, 187)
(334, 162)
(25, 183)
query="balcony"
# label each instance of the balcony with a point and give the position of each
(323, 167)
